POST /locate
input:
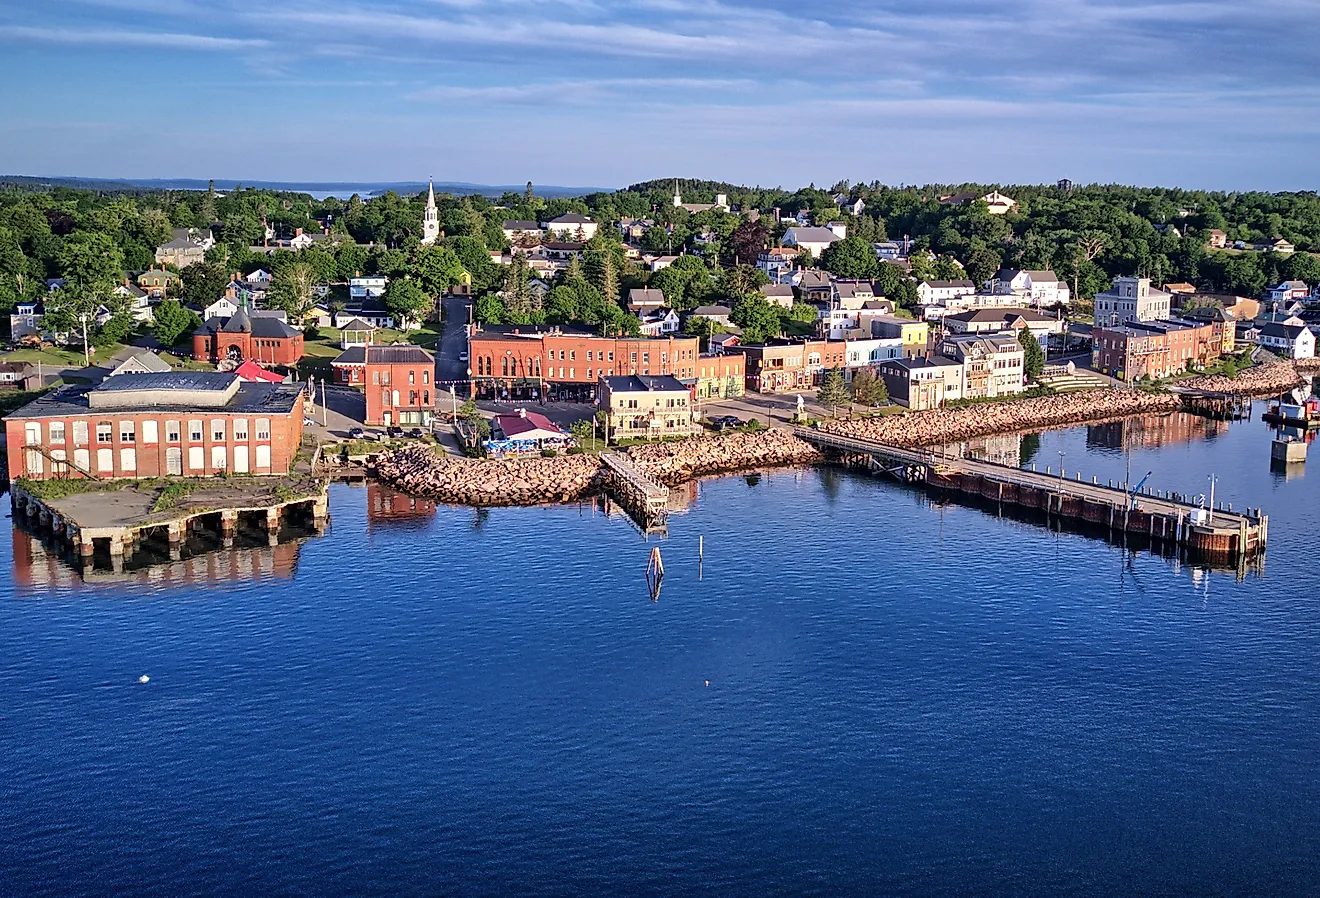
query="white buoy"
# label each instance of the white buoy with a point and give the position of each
(144, 679)
(708, 684)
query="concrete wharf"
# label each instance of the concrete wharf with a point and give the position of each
(81, 535)
(1219, 533)
(645, 498)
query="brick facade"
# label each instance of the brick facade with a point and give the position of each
(400, 387)
(154, 443)
(510, 360)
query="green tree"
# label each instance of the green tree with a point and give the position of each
(293, 290)
(173, 322)
(91, 262)
(869, 388)
(437, 268)
(758, 319)
(1033, 357)
(407, 302)
(833, 390)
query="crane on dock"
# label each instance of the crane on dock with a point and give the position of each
(1132, 493)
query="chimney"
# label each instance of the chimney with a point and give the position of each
(297, 232)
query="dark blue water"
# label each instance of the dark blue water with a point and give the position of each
(903, 698)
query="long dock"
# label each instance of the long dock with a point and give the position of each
(646, 499)
(1222, 534)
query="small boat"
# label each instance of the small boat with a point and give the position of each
(1303, 411)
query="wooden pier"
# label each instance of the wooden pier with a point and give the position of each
(645, 498)
(1218, 533)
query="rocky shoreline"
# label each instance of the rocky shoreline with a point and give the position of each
(569, 478)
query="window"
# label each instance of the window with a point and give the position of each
(36, 464)
(588, 355)
(57, 431)
(572, 355)
(128, 459)
(32, 433)
(105, 461)
(82, 459)
(149, 432)
(394, 398)
(196, 458)
(375, 376)
(611, 355)
(634, 358)
(646, 358)
(263, 457)
(80, 433)
(570, 373)
(240, 429)
(174, 461)
(385, 376)
(171, 431)
(195, 432)
(218, 430)
(412, 397)
(218, 458)
(263, 428)
(426, 377)
(412, 377)
(104, 431)
(426, 398)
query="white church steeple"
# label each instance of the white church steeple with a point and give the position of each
(431, 220)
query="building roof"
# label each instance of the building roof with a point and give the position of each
(777, 290)
(937, 361)
(251, 372)
(257, 398)
(399, 354)
(571, 218)
(519, 224)
(937, 285)
(1279, 329)
(148, 360)
(528, 425)
(810, 235)
(646, 296)
(993, 315)
(357, 324)
(354, 355)
(712, 311)
(634, 383)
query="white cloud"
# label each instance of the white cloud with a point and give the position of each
(127, 38)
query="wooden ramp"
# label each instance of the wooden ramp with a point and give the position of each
(1161, 515)
(645, 498)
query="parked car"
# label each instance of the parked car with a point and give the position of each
(725, 421)
(394, 431)
(356, 433)
(308, 422)
(415, 433)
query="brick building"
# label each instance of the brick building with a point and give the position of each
(399, 385)
(1155, 349)
(260, 336)
(720, 376)
(153, 425)
(563, 363)
(790, 366)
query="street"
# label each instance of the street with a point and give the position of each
(449, 367)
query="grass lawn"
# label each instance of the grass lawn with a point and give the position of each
(57, 359)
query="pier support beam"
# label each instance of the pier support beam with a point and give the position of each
(228, 526)
(85, 552)
(320, 513)
(174, 533)
(273, 526)
(117, 553)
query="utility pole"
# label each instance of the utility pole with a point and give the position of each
(87, 357)
(1210, 519)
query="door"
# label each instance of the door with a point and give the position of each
(174, 461)
(240, 459)
(263, 458)
(389, 419)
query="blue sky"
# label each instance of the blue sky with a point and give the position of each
(1195, 93)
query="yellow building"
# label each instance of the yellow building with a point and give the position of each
(914, 334)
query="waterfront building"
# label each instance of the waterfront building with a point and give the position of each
(1291, 340)
(524, 433)
(646, 406)
(1155, 349)
(922, 383)
(154, 425)
(991, 365)
(262, 336)
(565, 362)
(1130, 299)
(789, 366)
(397, 380)
(722, 376)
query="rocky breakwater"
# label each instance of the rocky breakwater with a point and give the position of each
(939, 426)
(485, 482)
(1262, 380)
(683, 460)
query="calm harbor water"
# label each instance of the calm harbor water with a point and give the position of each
(860, 691)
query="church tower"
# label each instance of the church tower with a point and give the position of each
(678, 197)
(431, 220)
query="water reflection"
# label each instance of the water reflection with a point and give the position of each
(39, 565)
(386, 506)
(1153, 431)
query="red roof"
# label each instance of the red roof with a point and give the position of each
(251, 372)
(514, 425)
